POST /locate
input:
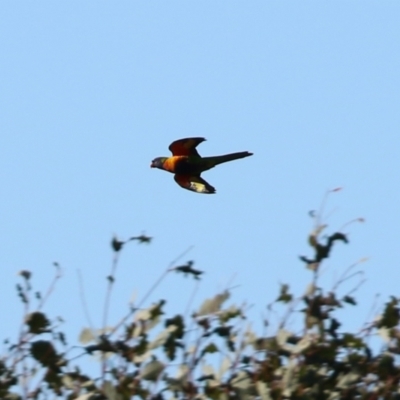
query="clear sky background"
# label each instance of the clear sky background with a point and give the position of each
(91, 92)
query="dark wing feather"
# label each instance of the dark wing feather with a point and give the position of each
(186, 147)
(194, 183)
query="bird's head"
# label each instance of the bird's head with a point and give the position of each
(158, 162)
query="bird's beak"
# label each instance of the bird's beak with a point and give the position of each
(151, 165)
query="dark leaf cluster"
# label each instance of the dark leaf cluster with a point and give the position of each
(214, 353)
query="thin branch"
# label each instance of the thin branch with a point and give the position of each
(289, 312)
(372, 310)
(52, 286)
(319, 215)
(83, 300)
(150, 291)
(346, 275)
(169, 269)
(191, 299)
(360, 283)
(353, 221)
(111, 280)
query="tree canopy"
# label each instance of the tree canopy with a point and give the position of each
(214, 353)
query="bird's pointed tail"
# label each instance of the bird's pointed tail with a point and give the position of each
(227, 157)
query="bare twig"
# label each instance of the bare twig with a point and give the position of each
(52, 286)
(111, 280)
(319, 215)
(83, 300)
(191, 299)
(353, 221)
(346, 274)
(150, 291)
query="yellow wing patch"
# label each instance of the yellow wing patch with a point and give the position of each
(194, 183)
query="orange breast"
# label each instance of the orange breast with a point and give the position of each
(171, 162)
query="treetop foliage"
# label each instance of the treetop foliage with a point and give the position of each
(215, 352)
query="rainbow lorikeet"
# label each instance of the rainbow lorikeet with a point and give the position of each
(187, 164)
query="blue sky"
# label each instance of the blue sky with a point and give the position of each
(91, 92)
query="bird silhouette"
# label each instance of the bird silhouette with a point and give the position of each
(187, 164)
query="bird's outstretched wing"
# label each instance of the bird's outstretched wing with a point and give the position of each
(186, 147)
(194, 182)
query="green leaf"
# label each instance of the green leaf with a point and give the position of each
(110, 391)
(25, 274)
(147, 319)
(188, 269)
(265, 343)
(116, 244)
(350, 300)
(334, 325)
(161, 338)
(350, 340)
(179, 324)
(210, 349)
(230, 313)
(44, 352)
(384, 333)
(284, 295)
(391, 315)
(346, 380)
(311, 321)
(386, 367)
(208, 372)
(282, 337)
(322, 251)
(304, 344)
(243, 384)
(176, 384)
(152, 371)
(263, 390)
(289, 379)
(12, 396)
(213, 305)
(86, 336)
(87, 396)
(37, 322)
(142, 238)
(224, 367)
(223, 331)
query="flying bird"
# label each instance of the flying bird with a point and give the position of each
(187, 164)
